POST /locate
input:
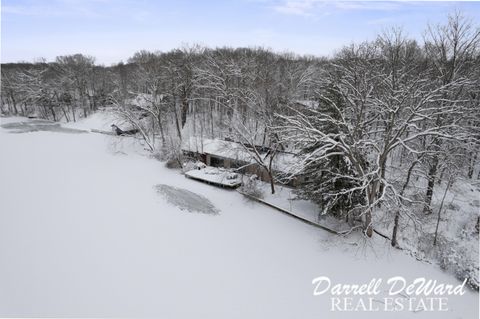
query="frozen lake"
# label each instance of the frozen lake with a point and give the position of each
(84, 232)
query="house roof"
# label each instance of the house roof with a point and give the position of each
(233, 150)
(308, 103)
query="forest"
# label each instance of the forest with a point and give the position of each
(375, 127)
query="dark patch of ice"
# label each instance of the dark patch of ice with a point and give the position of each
(186, 200)
(37, 126)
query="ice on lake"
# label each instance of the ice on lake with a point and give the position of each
(38, 125)
(186, 200)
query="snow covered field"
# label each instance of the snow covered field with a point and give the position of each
(84, 232)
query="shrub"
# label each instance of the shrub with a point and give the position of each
(252, 187)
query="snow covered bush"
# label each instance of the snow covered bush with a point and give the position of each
(458, 260)
(173, 163)
(454, 256)
(251, 186)
(232, 176)
(192, 165)
(173, 154)
(171, 158)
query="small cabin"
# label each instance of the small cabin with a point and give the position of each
(232, 155)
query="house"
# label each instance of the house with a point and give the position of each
(233, 155)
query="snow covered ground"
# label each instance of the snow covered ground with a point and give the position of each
(84, 232)
(457, 248)
(285, 198)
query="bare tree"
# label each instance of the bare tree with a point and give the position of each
(452, 49)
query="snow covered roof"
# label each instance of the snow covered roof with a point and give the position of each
(144, 99)
(308, 103)
(141, 100)
(232, 150)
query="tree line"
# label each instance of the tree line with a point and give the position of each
(376, 126)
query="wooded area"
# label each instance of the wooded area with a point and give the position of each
(378, 125)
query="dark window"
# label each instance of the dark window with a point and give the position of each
(216, 162)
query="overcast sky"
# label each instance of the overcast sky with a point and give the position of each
(112, 30)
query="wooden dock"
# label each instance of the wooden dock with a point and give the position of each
(219, 180)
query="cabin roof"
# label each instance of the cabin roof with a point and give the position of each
(234, 151)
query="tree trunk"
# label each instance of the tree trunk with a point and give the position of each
(194, 120)
(177, 125)
(432, 172)
(14, 103)
(65, 114)
(184, 110)
(270, 173)
(272, 184)
(368, 223)
(73, 113)
(395, 229)
(211, 118)
(45, 112)
(383, 161)
(397, 213)
(472, 165)
(264, 135)
(160, 126)
(368, 229)
(52, 110)
(440, 211)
